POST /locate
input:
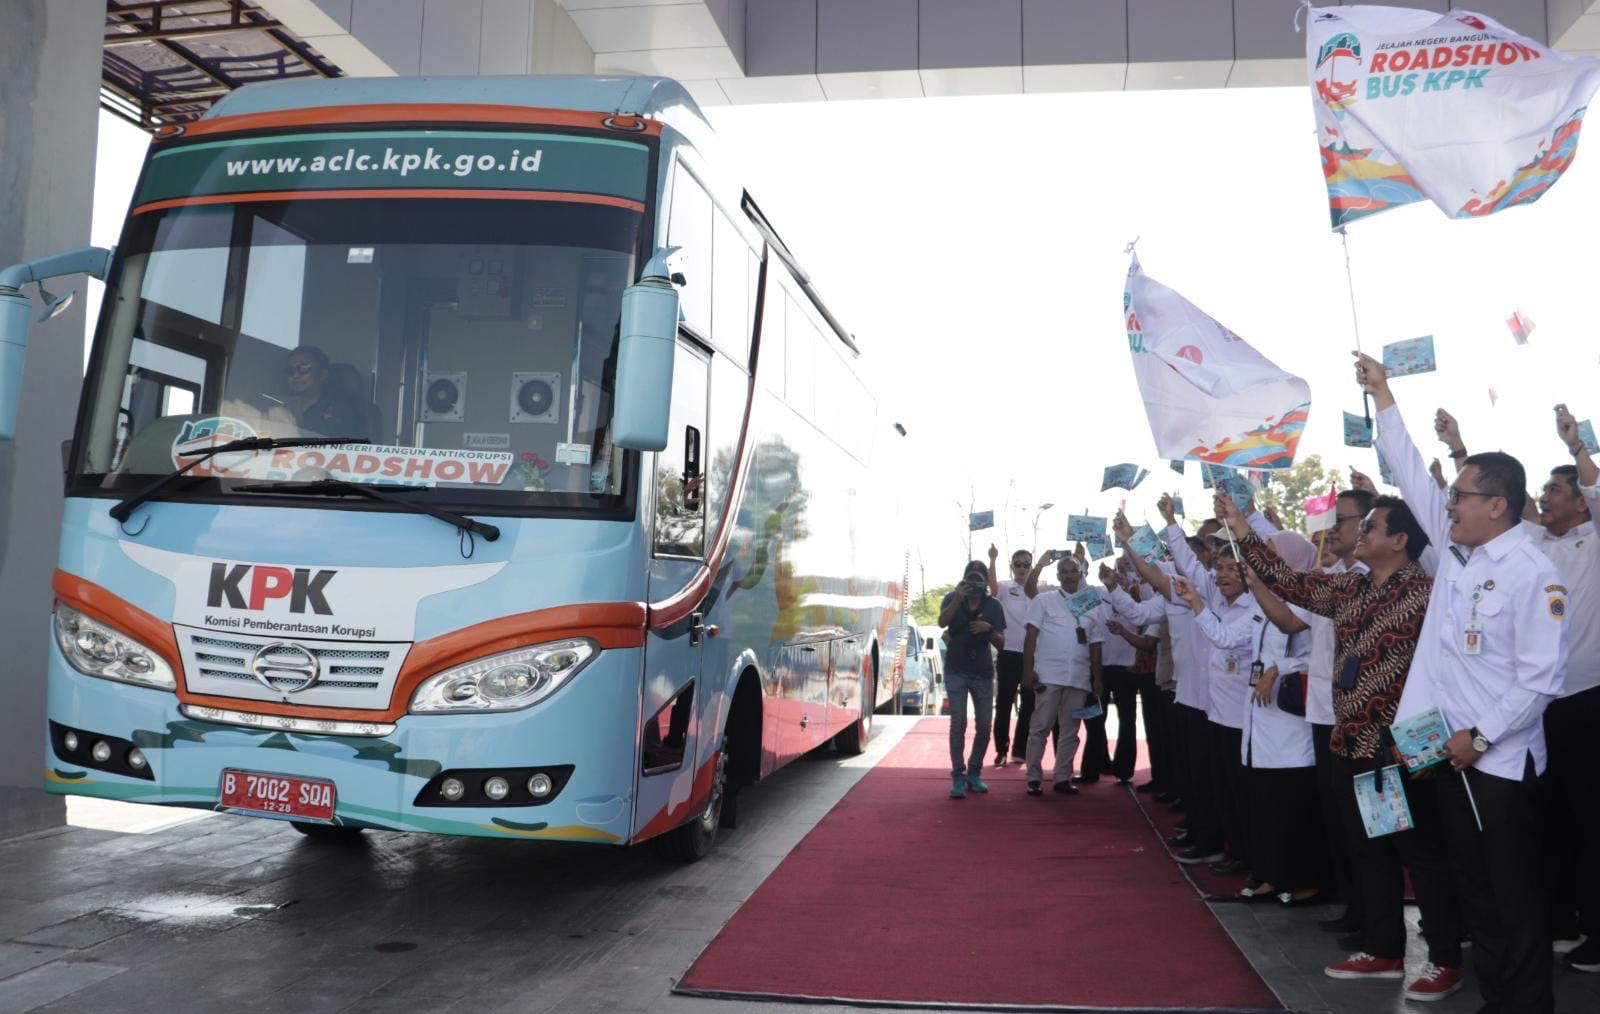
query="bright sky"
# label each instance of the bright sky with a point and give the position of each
(975, 248)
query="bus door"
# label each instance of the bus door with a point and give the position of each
(673, 689)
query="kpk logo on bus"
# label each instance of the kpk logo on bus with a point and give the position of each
(302, 586)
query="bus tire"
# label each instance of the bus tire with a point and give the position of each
(692, 842)
(853, 739)
(330, 833)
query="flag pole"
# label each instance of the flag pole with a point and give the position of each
(1355, 319)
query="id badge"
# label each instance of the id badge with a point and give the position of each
(1257, 670)
(1083, 636)
(1472, 637)
(1233, 663)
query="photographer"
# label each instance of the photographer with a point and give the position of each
(974, 627)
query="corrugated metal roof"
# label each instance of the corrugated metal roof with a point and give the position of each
(168, 61)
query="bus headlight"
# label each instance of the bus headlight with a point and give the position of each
(509, 681)
(95, 649)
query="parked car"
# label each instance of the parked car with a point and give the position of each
(922, 682)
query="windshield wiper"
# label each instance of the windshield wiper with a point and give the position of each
(342, 487)
(124, 510)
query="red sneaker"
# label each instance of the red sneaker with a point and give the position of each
(1362, 965)
(1435, 983)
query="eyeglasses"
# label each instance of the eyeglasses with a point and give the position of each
(1456, 493)
(296, 369)
(1340, 519)
(1368, 526)
(1020, 565)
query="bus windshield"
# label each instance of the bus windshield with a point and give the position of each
(471, 342)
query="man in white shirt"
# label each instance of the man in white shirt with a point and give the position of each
(1015, 595)
(1490, 658)
(1062, 666)
(1564, 530)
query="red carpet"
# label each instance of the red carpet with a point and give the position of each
(901, 896)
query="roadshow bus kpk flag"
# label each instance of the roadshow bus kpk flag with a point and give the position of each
(1453, 108)
(1209, 395)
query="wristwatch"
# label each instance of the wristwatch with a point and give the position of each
(1478, 742)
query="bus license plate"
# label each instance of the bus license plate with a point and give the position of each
(281, 795)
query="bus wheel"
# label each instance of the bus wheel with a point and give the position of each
(692, 842)
(332, 833)
(854, 739)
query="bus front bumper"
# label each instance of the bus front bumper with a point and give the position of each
(588, 726)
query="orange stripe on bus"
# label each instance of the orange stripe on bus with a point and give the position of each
(426, 193)
(421, 112)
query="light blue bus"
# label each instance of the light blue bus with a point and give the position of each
(465, 456)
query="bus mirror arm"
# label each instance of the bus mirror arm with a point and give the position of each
(648, 343)
(16, 309)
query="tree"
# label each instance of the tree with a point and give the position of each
(1289, 488)
(925, 608)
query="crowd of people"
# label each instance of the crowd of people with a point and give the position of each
(1269, 671)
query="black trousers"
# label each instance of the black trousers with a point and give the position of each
(1199, 794)
(1232, 793)
(1570, 807)
(1158, 733)
(1177, 776)
(1009, 690)
(1502, 886)
(1286, 828)
(1096, 753)
(1128, 691)
(1340, 846)
(1380, 864)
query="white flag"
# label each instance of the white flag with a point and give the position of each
(1209, 395)
(1453, 108)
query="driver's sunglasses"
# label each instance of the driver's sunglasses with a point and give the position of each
(296, 369)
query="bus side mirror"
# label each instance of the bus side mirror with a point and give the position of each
(648, 343)
(15, 309)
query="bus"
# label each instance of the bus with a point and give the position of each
(466, 456)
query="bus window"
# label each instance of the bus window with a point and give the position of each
(689, 227)
(730, 310)
(275, 285)
(680, 527)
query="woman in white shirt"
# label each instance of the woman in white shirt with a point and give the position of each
(1285, 844)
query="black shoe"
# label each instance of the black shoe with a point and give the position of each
(1194, 854)
(1227, 867)
(1124, 781)
(1034, 789)
(1353, 942)
(1065, 788)
(1180, 839)
(1585, 957)
(1149, 789)
(1166, 797)
(1086, 779)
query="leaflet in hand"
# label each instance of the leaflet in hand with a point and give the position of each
(1177, 507)
(1421, 738)
(1586, 434)
(977, 521)
(1412, 356)
(1083, 601)
(1176, 465)
(1091, 709)
(1122, 476)
(1238, 489)
(1381, 798)
(1083, 527)
(1357, 431)
(1098, 547)
(1147, 544)
(1384, 473)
